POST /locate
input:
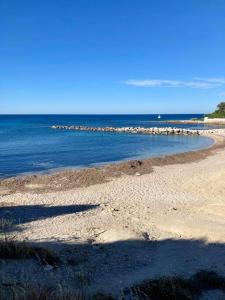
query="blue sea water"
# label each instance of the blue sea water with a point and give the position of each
(28, 144)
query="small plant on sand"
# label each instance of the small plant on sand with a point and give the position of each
(169, 288)
(12, 249)
(38, 293)
(5, 225)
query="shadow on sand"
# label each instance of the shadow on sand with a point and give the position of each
(18, 215)
(108, 267)
(112, 267)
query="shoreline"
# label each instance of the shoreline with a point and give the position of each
(87, 176)
(104, 163)
(113, 230)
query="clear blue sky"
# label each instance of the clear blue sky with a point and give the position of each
(111, 56)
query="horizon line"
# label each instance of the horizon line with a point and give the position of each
(97, 114)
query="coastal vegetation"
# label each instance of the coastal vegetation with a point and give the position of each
(197, 119)
(172, 287)
(163, 288)
(21, 250)
(219, 112)
(13, 249)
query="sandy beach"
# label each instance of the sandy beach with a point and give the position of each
(117, 225)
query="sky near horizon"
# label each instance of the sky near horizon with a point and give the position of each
(111, 56)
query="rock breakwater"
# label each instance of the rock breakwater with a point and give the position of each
(141, 130)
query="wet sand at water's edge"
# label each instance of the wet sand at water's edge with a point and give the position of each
(76, 178)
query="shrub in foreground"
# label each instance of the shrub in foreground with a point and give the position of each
(17, 250)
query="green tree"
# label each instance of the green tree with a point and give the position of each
(221, 107)
(219, 112)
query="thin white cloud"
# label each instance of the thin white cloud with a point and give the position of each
(196, 83)
(217, 80)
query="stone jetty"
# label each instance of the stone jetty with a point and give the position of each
(141, 130)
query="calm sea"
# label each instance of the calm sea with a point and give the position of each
(28, 144)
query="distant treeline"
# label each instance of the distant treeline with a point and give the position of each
(219, 112)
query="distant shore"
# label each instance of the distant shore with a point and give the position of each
(206, 122)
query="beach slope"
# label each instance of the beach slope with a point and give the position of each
(146, 220)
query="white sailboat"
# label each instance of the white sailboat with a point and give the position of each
(159, 117)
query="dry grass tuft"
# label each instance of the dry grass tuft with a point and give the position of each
(12, 249)
(37, 293)
(17, 250)
(169, 288)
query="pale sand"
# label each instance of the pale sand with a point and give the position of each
(169, 221)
